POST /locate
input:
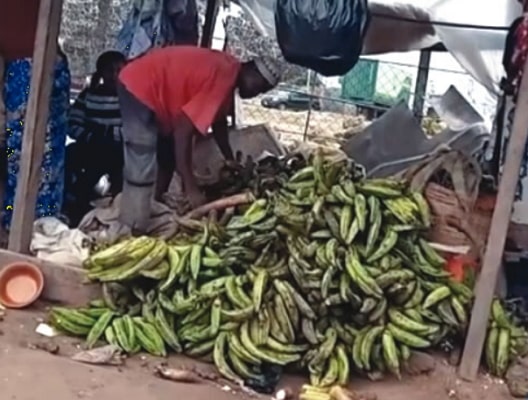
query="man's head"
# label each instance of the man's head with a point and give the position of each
(258, 76)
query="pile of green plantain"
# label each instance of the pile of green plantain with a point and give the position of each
(329, 274)
(505, 340)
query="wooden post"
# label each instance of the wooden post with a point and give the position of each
(497, 237)
(44, 59)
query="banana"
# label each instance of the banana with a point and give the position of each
(390, 353)
(331, 251)
(164, 329)
(236, 295)
(353, 232)
(326, 348)
(265, 355)
(382, 188)
(503, 351)
(360, 208)
(430, 254)
(332, 373)
(498, 314)
(361, 277)
(283, 318)
(241, 369)
(402, 321)
(431, 316)
(410, 339)
(366, 345)
(308, 330)
(259, 287)
(216, 315)
(242, 353)
(423, 208)
(152, 259)
(459, 310)
(110, 336)
(491, 349)
(345, 221)
(405, 352)
(304, 308)
(275, 328)
(279, 347)
(378, 313)
(343, 365)
(200, 350)
(447, 314)
(289, 302)
(220, 360)
(374, 231)
(393, 276)
(464, 293)
(356, 349)
(369, 304)
(327, 280)
(149, 338)
(436, 296)
(387, 243)
(237, 315)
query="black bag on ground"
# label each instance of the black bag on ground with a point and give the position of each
(323, 35)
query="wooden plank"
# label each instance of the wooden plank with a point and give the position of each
(44, 58)
(492, 261)
(3, 152)
(62, 283)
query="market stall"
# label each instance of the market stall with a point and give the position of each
(328, 225)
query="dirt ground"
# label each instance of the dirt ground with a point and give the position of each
(27, 373)
(324, 127)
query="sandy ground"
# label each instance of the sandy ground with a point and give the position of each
(28, 374)
(324, 127)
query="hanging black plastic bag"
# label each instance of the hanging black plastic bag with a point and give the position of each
(323, 35)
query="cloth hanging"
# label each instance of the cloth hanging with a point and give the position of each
(158, 23)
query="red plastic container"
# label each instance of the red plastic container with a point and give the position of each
(21, 283)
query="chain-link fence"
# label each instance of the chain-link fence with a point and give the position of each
(329, 111)
(305, 106)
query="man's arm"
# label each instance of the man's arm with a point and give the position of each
(220, 133)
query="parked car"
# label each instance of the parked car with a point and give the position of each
(286, 100)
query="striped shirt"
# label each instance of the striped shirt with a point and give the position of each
(94, 113)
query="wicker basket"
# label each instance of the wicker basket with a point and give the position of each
(452, 225)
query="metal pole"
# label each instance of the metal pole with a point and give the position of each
(421, 83)
(309, 115)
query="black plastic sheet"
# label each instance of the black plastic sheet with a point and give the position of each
(323, 35)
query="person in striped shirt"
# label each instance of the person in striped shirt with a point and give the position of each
(95, 126)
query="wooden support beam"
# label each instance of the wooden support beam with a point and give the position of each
(62, 284)
(44, 58)
(500, 222)
(211, 13)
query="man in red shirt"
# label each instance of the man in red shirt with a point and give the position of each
(166, 97)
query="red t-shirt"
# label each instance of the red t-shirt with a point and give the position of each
(188, 79)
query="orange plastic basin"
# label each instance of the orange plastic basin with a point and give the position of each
(21, 284)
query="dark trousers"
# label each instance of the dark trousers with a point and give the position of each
(140, 140)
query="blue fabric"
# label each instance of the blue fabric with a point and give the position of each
(158, 23)
(16, 92)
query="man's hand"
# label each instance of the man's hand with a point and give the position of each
(195, 197)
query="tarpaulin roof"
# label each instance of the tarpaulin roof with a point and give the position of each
(473, 31)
